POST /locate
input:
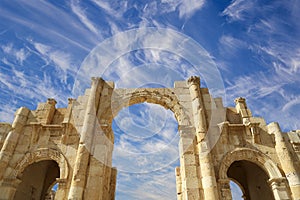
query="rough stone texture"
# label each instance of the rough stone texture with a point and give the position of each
(217, 144)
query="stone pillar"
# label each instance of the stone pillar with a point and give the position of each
(12, 138)
(178, 183)
(45, 111)
(225, 189)
(279, 188)
(113, 183)
(66, 122)
(188, 165)
(241, 108)
(254, 129)
(288, 163)
(8, 188)
(197, 107)
(85, 143)
(208, 177)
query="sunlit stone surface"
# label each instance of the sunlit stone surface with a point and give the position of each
(73, 147)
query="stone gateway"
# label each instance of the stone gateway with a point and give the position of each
(72, 147)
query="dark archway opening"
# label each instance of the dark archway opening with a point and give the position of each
(37, 180)
(252, 179)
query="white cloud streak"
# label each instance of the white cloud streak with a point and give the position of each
(107, 7)
(19, 54)
(147, 186)
(79, 12)
(68, 31)
(230, 45)
(146, 161)
(237, 10)
(188, 7)
(61, 60)
(270, 38)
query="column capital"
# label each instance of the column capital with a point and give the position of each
(224, 180)
(193, 80)
(11, 182)
(95, 81)
(61, 182)
(51, 101)
(275, 182)
(71, 100)
(240, 100)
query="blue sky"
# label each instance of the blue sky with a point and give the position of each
(252, 46)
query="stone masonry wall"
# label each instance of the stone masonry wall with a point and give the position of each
(213, 140)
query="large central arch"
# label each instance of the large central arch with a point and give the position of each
(145, 150)
(122, 98)
(177, 99)
(165, 97)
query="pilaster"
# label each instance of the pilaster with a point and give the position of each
(208, 178)
(225, 191)
(242, 109)
(190, 182)
(289, 166)
(85, 143)
(12, 138)
(280, 188)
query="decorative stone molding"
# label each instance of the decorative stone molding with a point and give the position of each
(39, 155)
(251, 155)
(208, 143)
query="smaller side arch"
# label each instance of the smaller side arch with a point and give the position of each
(40, 155)
(249, 155)
(276, 181)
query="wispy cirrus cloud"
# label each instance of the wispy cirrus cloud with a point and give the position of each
(289, 105)
(146, 152)
(188, 7)
(30, 84)
(286, 57)
(61, 59)
(70, 31)
(79, 12)
(270, 38)
(237, 10)
(19, 54)
(23, 87)
(268, 95)
(149, 10)
(7, 112)
(230, 45)
(113, 11)
(155, 186)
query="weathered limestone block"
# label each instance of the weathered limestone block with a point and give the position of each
(45, 111)
(241, 107)
(180, 84)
